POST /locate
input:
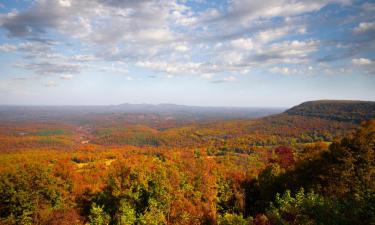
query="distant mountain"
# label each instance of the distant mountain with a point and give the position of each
(237, 112)
(178, 112)
(337, 110)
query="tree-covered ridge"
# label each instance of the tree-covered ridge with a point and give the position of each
(244, 136)
(241, 135)
(307, 123)
(338, 110)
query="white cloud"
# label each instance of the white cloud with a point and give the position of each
(272, 34)
(281, 70)
(243, 43)
(153, 35)
(7, 48)
(83, 58)
(295, 48)
(362, 61)
(181, 48)
(246, 11)
(66, 77)
(364, 27)
(65, 3)
(302, 30)
(174, 68)
(229, 79)
(48, 68)
(32, 49)
(163, 36)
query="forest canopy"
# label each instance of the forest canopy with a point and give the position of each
(108, 169)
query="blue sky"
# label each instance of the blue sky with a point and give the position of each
(209, 53)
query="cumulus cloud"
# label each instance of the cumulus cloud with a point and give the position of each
(246, 11)
(172, 68)
(47, 68)
(83, 58)
(363, 62)
(42, 15)
(364, 27)
(181, 47)
(282, 70)
(287, 52)
(243, 43)
(167, 37)
(272, 34)
(31, 49)
(7, 48)
(96, 21)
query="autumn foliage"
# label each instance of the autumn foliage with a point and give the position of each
(275, 170)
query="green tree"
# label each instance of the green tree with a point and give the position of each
(344, 175)
(98, 216)
(136, 196)
(26, 191)
(233, 219)
(126, 214)
(308, 209)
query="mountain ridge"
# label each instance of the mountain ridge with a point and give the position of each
(354, 111)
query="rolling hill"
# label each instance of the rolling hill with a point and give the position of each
(337, 110)
(182, 126)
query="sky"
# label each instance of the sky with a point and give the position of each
(260, 53)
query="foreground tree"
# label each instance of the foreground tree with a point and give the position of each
(344, 175)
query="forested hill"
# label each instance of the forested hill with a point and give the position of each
(338, 110)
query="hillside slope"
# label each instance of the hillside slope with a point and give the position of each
(318, 121)
(337, 110)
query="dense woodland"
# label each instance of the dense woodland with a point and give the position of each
(132, 168)
(344, 110)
